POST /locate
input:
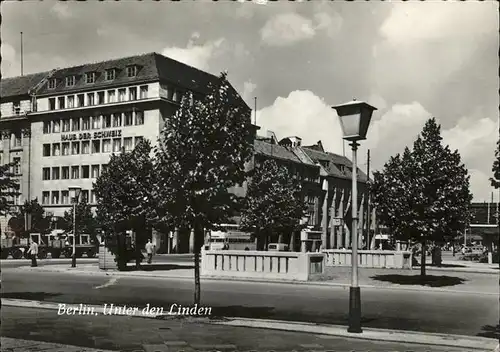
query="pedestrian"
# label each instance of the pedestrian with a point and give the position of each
(453, 250)
(149, 251)
(33, 251)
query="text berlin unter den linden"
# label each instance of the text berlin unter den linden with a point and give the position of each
(112, 309)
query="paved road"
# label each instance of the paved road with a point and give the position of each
(135, 334)
(157, 259)
(438, 312)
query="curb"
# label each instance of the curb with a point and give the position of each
(247, 280)
(383, 335)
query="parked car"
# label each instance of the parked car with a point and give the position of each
(277, 247)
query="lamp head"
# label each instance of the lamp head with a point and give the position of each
(355, 117)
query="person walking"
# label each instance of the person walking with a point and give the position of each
(33, 251)
(149, 251)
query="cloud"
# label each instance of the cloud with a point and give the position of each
(248, 89)
(286, 29)
(481, 187)
(330, 23)
(9, 61)
(196, 55)
(61, 10)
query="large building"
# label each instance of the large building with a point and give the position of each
(62, 126)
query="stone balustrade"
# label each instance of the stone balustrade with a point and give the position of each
(262, 265)
(370, 258)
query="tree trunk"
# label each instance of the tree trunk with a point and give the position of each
(423, 259)
(280, 238)
(198, 241)
(138, 252)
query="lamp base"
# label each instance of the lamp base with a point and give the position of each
(73, 261)
(354, 310)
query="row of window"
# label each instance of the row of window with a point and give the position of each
(90, 77)
(98, 98)
(91, 147)
(63, 197)
(72, 172)
(86, 123)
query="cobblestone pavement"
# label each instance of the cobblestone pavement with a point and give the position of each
(114, 333)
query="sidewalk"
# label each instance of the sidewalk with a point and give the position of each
(334, 276)
(188, 333)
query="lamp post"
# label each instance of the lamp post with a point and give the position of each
(75, 193)
(355, 118)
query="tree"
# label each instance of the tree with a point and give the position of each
(9, 187)
(38, 220)
(85, 220)
(201, 153)
(424, 195)
(124, 193)
(274, 204)
(495, 180)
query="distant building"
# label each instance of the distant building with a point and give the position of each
(484, 227)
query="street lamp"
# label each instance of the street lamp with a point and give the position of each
(75, 195)
(355, 118)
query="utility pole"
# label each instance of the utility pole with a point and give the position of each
(22, 54)
(368, 213)
(255, 111)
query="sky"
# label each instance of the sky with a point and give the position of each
(411, 60)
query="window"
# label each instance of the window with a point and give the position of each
(71, 101)
(65, 173)
(144, 92)
(110, 75)
(65, 197)
(86, 147)
(81, 100)
(75, 148)
(138, 140)
(170, 93)
(139, 117)
(128, 119)
(100, 98)
(177, 96)
(61, 101)
(96, 122)
(106, 145)
(127, 143)
(95, 171)
(46, 173)
(46, 127)
(117, 120)
(104, 168)
(45, 197)
(17, 166)
(90, 77)
(92, 197)
(85, 123)
(111, 96)
(52, 83)
(85, 195)
(65, 148)
(131, 71)
(85, 171)
(56, 149)
(75, 172)
(117, 145)
(106, 121)
(55, 173)
(55, 197)
(75, 124)
(16, 107)
(96, 146)
(90, 99)
(66, 125)
(56, 126)
(121, 94)
(52, 103)
(132, 93)
(70, 81)
(16, 141)
(46, 150)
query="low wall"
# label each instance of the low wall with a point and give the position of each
(106, 259)
(262, 265)
(370, 259)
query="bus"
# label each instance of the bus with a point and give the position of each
(231, 237)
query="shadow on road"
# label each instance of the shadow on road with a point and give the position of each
(33, 296)
(490, 331)
(156, 267)
(428, 280)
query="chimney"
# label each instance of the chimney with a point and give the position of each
(272, 136)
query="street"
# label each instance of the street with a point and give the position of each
(425, 311)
